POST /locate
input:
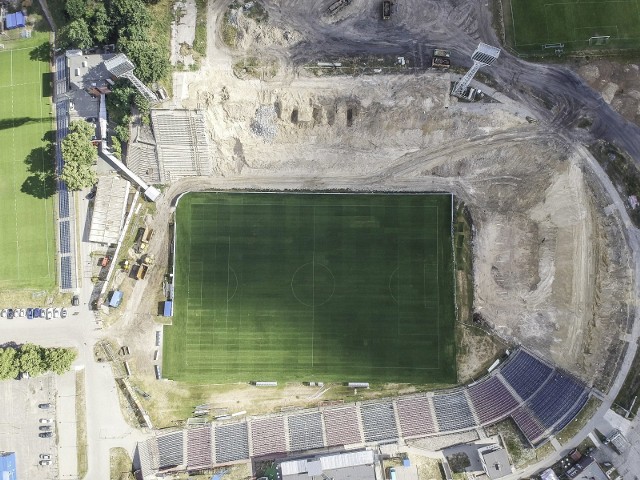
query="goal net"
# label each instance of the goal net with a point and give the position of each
(600, 40)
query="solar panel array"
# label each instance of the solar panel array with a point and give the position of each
(67, 273)
(65, 239)
(554, 399)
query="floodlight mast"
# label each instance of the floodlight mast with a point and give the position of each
(484, 55)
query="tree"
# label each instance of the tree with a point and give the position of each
(76, 148)
(76, 9)
(130, 14)
(59, 360)
(85, 129)
(78, 175)
(151, 60)
(75, 35)
(9, 366)
(100, 23)
(30, 359)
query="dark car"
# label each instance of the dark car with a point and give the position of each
(45, 405)
(75, 301)
(36, 313)
(45, 428)
(30, 313)
(45, 434)
(10, 313)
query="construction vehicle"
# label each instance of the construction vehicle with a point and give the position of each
(441, 58)
(146, 237)
(386, 9)
(144, 267)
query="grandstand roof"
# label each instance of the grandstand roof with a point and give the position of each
(119, 65)
(108, 209)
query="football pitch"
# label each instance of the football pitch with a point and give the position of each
(312, 287)
(576, 24)
(27, 242)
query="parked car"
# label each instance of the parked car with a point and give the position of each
(45, 456)
(29, 313)
(10, 313)
(45, 428)
(56, 312)
(45, 405)
(75, 301)
(3, 313)
(21, 312)
(45, 462)
(46, 420)
(36, 313)
(45, 434)
(63, 312)
(49, 313)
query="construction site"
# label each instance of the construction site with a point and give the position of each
(351, 96)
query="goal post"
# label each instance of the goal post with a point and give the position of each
(599, 40)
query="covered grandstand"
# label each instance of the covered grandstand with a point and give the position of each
(540, 402)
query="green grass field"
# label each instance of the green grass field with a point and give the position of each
(312, 287)
(27, 241)
(572, 23)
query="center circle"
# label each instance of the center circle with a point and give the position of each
(313, 284)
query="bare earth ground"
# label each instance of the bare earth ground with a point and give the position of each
(551, 268)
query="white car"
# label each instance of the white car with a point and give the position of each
(21, 312)
(49, 313)
(3, 313)
(63, 312)
(46, 420)
(45, 462)
(56, 312)
(45, 456)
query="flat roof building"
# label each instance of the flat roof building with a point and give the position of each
(357, 465)
(8, 466)
(495, 461)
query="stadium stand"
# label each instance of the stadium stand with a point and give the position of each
(268, 436)
(378, 421)
(342, 426)
(525, 373)
(305, 431)
(453, 411)
(65, 237)
(170, 449)
(199, 447)
(491, 399)
(571, 414)
(148, 455)
(556, 398)
(528, 424)
(232, 442)
(415, 416)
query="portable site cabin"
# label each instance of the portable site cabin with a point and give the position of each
(14, 20)
(8, 466)
(116, 299)
(168, 308)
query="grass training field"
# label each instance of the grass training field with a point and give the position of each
(572, 23)
(312, 287)
(27, 242)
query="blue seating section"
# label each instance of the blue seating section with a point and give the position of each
(555, 399)
(491, 400)
(378, 421)
(525, 373)
(573, 412)
(453, 412)
(232, 442)
(305, 432)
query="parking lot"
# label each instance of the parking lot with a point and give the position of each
(20, 425)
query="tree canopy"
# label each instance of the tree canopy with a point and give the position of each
(34, 360)
(79, 155)
(75, 35)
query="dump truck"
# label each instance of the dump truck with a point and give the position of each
(386, 10)
(441, 58)
(144, 266)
